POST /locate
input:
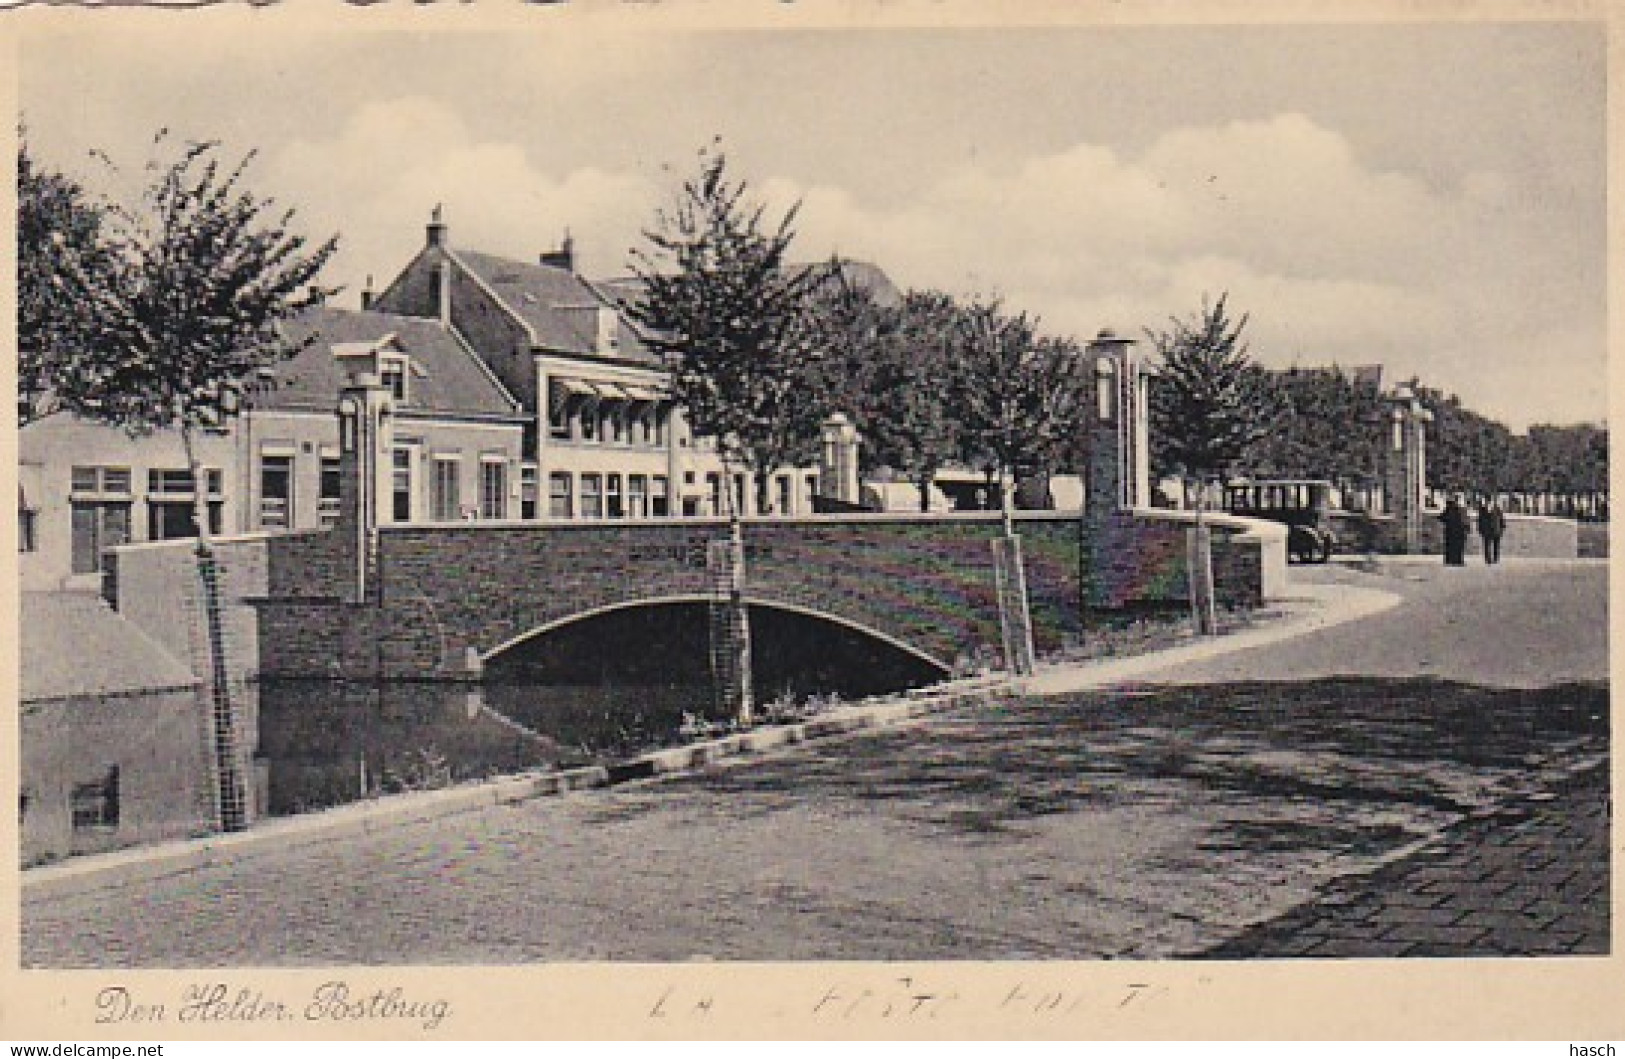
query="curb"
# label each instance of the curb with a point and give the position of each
(80, 875)
(1319, 607)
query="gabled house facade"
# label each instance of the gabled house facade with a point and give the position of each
(603, 437)
(85, 487)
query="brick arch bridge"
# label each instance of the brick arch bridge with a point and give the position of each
(754, 601)
(446, 597)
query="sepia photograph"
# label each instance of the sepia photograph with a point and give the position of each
(1022, 525)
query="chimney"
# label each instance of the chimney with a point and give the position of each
(367, 295)
(436, 229)
(564, 257)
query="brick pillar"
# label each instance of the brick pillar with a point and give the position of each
(838, 461)
(366, 443)
(1404, 477)
(1118, 473)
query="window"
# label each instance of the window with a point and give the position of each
(171, 514)
(558, 416)
(97, 526)
(276, 492)
(662, 417)
(178, 483)
(592, 496)
(739, 494)
(713, 486)
(400, 485)
(659, 498)
(1105, 380)
(27, 529)
(328, 501)
(392, 372)
(612, 492)
(445, 474)
(589, 424)
(782, 490)
(637, 496)
(810, 494)
(608, 330)
(527, 491)
(558, 495)
(96, 804)
(493, 488)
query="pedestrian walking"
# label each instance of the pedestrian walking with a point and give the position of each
(1455, 522)
(1492, 523)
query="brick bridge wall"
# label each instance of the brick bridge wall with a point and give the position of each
(451, 591)
(448, 590)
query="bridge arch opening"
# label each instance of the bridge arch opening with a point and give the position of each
(647, 663)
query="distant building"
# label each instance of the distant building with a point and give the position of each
(603, 437)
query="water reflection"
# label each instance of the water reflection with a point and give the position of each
(328, 742)
(595, 691)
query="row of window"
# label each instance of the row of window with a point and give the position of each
(277, 491)
(607, 496)
(590, 420)
(445, 487)
(115, 481)
(594, 495)
(101, 503)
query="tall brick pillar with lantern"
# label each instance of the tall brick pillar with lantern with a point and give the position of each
(1118, 474)
(366, 443)
(838, 461)
(1405, 462)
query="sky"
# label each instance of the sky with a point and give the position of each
(1428, 197)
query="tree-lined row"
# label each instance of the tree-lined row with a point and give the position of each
(763, 350)
(150, 314)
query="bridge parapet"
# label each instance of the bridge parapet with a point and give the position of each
(450, 595)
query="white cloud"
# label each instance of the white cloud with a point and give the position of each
(377, 179)
(1335, 261)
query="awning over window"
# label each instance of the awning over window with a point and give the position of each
(641, 393)
(573, 388)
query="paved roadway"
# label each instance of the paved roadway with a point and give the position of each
(1161, 820)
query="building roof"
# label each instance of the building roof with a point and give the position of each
(56, 626)
(447, 377)
(559, 307)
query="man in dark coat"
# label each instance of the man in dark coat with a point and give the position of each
(1491, 525)
(1455, 522)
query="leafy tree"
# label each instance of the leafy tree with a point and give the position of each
(1018, 394)
(59, 232)
(186, 313)
(884, 364)
(1327, 428)
(721, 303)
(909, 425)
(1210, 403)
(199, 275)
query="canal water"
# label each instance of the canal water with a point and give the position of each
(596, 691)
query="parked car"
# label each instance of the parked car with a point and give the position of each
(1301, 504)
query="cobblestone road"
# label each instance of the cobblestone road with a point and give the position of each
(1157, 821)
(1529, 879)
